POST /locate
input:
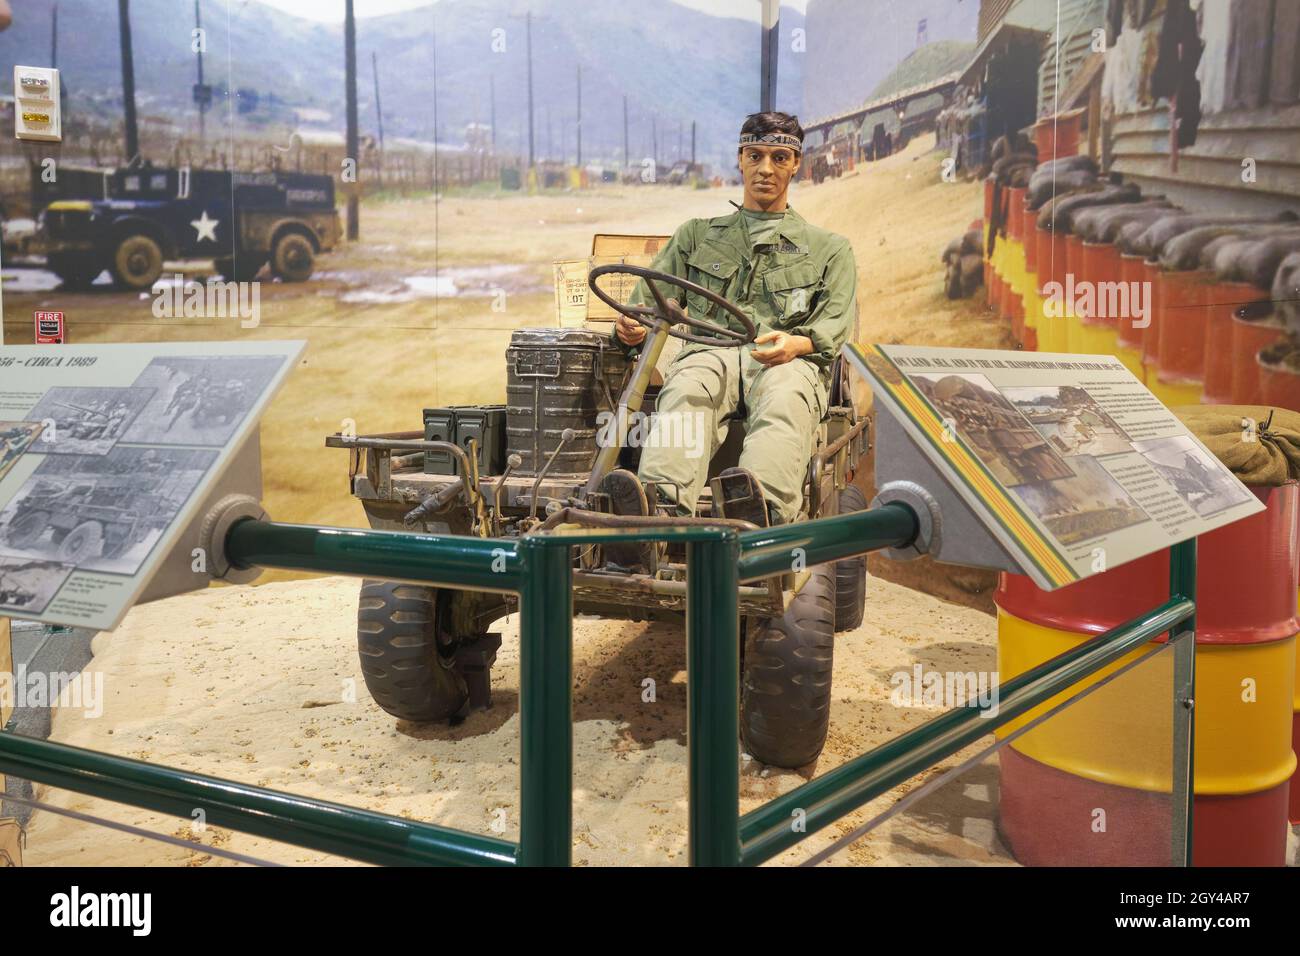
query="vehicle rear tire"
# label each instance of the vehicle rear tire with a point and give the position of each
(240, 268)
(403, 666)
(28, 529)
(851, 573)
(293, 258)
(75, 271)
(86, 540)
(137, 263)
(785, 699)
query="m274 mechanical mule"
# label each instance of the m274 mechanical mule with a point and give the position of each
(535, 466)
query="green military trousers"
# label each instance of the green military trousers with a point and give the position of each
(785, 404)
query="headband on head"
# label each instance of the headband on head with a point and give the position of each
(770, 139)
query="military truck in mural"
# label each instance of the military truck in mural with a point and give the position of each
(147, 215)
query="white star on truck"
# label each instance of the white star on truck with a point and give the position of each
(206, 228)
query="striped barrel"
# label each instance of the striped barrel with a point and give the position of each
(1118, 756)
(1224, 300)
(1180, 358)
(1248, 337)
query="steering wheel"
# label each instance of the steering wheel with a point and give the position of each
(670, 311)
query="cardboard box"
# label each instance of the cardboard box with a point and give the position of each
(575, 306)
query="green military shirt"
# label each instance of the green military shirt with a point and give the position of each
(786, 274)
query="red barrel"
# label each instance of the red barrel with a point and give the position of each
(1248, 337)
(1245, 641)
(1182, 338)
(1279, 385)
(1223, 301)
(1074, 256)
(1060, 257)
(1043, 256)
(1101, 264)
(1132, 270)
(1151, 273)
(1029, 235)
(1016, 213)
(1016, 305)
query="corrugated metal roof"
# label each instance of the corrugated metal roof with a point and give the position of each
(1023, 17)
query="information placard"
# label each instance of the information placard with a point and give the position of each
(121, 446)
(1071, 463)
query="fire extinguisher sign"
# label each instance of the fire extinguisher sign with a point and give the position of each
(49, 328)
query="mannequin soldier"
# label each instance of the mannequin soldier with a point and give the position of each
(797, 283)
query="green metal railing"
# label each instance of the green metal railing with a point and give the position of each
(539, 569)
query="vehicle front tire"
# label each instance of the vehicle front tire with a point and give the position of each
(86, 540)
(293, 259)
(851, 573)
(137, 263)
(785, 696)
(397, 641)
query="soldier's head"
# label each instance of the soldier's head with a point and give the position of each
(768, 156)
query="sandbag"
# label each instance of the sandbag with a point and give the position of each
(1259, 444)
(1103, 223)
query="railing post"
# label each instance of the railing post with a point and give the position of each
(713, 682)
(546, 704)
(1182, 583)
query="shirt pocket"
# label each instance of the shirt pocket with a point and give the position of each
(705, 267)
(791, 292)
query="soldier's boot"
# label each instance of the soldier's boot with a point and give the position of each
(741, 497)
(626, 497)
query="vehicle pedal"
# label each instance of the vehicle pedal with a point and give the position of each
(473, 661)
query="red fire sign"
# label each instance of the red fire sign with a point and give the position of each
(49, 328)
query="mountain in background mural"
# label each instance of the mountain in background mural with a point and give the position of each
(672, 62)
(853, 45)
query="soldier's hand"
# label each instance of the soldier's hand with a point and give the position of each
(628, 331)
(782, 347)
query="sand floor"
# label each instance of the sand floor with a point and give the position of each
(252, 684)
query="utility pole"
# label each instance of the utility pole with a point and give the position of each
(379, 110)
(768, 55)
(528, 33)
(579, 127)
(54, 38)
(692, 142)
(626, 158)
(654, 141)
(131, 132)
(202, 95)
(353, 145)
(492, 108)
